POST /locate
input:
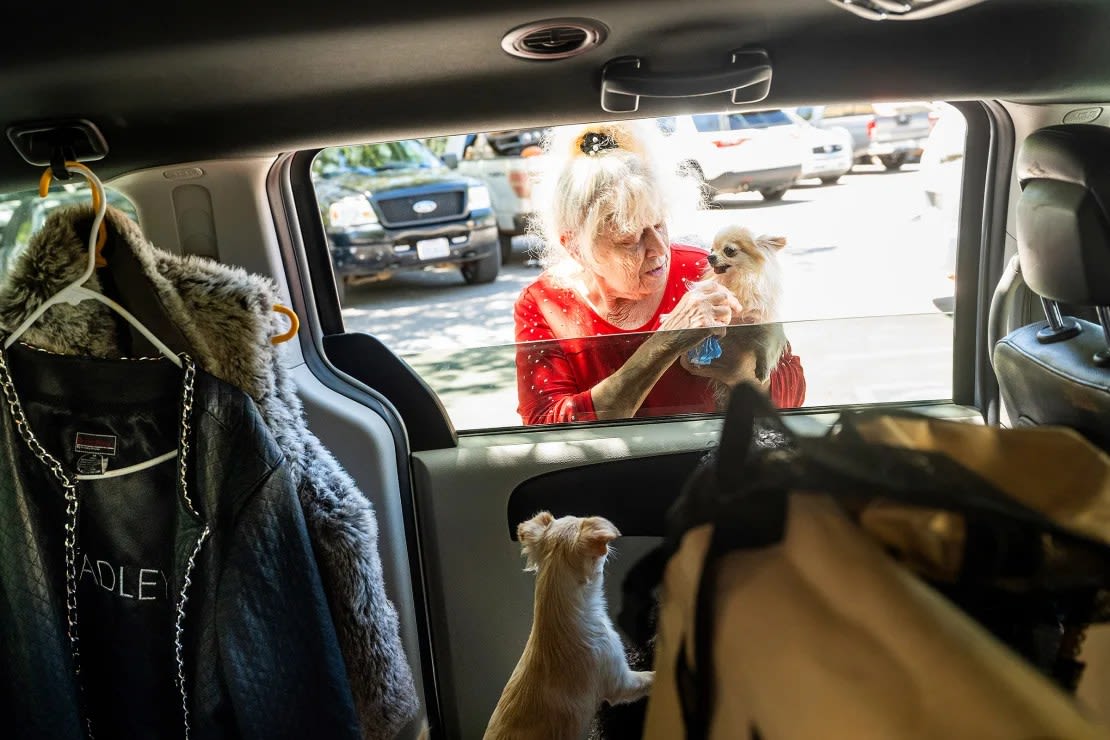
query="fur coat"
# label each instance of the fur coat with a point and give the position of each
(226, 319)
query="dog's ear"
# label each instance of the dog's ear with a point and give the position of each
(771, 242)
(530, 533)
(595, 534)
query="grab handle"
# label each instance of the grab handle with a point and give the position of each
(624, 81)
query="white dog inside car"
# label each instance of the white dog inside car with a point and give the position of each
(574, 658)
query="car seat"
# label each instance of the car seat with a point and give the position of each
(1058, 371)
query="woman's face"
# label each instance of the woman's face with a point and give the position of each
(631, 266)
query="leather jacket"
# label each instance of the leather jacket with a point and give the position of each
(179, 600)
(222, 317)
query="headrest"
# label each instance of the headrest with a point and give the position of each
(1063, 218)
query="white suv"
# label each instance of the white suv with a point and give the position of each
(738, 152)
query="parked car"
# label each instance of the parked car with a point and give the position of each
(893, 133)
(400, 207)
(828, 152)
(507, 162)
(739, 152)
(942, 167)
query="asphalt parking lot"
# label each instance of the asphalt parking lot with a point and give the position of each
(867, 296)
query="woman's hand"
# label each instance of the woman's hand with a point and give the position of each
(733, 366)
(707, 308)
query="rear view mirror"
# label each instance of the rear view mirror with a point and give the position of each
(451, 160)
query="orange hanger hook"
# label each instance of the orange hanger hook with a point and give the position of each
(294, 324)
(102, 234)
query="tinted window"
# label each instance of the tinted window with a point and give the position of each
(707, 124)
(763, 119)
(512, 143)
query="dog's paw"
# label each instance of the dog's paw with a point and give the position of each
(644, 681)
(634, 686)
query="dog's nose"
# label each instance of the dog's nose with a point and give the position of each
(713, 259)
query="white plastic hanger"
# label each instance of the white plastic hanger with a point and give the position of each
(75, 292)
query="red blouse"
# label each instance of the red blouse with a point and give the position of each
(564, 349)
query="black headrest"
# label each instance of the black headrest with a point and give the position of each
(1063, 218)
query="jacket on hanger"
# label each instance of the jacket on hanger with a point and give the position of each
(225, 316)
(155, 566)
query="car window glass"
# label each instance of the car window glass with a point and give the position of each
(513, 143)
(707, 124)
(767, 118)
(437, 264)
(23, 213)
(737, 121)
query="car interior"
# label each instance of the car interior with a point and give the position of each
(207, 119)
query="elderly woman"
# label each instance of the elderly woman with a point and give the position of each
(600, 332)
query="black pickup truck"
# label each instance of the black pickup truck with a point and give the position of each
(395, 206)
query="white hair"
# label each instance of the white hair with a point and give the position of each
(615, 191)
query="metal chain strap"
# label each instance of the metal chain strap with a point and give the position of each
(183, 467)
(179, 630)
(72, 509)
(54, 353)
(186, 428)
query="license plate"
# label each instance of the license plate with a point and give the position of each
(430, 249)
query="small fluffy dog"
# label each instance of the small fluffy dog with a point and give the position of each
(573, 659)
(749, 268)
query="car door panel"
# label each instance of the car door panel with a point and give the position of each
(479, 598)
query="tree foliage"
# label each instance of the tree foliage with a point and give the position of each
(360, 155)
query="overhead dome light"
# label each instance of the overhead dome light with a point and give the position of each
(902, 10)
(556, 38)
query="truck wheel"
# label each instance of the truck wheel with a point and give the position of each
(830, 180)
(506, 242)
(893, 162)
(482, 270)
(773, 193)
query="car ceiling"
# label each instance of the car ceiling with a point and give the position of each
(213, 79)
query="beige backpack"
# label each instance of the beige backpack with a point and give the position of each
(905, 577)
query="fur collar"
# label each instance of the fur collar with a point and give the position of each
(224, 312)
(225, 316)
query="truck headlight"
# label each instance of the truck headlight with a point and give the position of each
(354, 210)
(477, 197)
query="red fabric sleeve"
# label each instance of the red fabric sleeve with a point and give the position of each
(546, 388)
(788, 382)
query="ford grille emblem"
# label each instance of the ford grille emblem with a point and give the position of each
(424, 207)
